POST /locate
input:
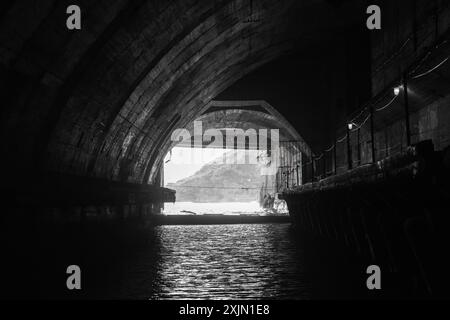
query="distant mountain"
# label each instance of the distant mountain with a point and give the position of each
(217, 181)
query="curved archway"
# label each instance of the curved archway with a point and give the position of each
(123, 123)
(104, 100)
(238, 115)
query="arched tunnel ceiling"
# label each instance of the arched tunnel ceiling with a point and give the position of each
(223, 115)
(103, 101)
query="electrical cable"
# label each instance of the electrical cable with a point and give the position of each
(330, 148)
(387, 105)
(362, 123)
(431, 70)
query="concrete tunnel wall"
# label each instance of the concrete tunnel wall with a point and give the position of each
(414, 46)
(393, 213)
(102, 102)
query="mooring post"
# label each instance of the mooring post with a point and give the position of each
(359, 146)
(349, 150)
(335, 155)
(372, 134)
(287, 179)
(324, 166)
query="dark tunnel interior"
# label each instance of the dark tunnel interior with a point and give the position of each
(357, 148)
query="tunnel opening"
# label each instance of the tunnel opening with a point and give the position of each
(220, 181)
(243, 153)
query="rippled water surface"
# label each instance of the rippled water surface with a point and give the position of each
(218, 262)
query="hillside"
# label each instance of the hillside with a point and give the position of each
(218, 182)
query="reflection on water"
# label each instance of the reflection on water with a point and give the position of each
(219, 262)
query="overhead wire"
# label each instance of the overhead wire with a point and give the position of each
(387, 105)
(431, 70)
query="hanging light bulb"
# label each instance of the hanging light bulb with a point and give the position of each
(397, 91)
(350, 126)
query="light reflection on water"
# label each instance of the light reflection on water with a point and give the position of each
(250, 261)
